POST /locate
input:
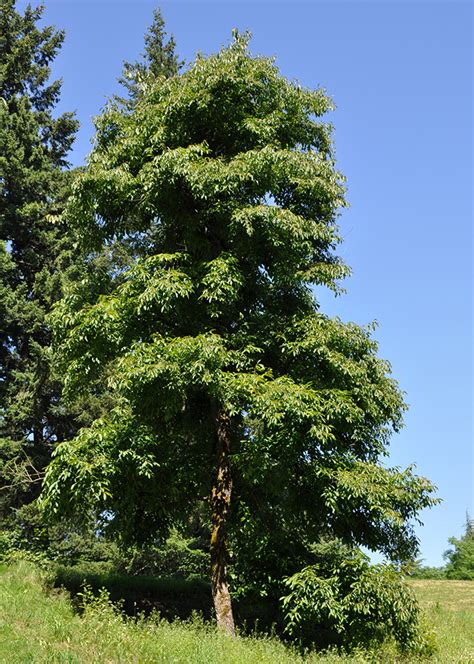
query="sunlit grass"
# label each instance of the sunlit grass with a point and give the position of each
(453, 595)
(40, 626)
(449, 607)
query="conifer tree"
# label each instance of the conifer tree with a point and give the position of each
(35, 250)
(232, 386)
(158, 60)
(460, 557)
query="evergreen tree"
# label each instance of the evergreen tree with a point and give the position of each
(460, 558)
(232, 386)
(158, 60)
(35, 250)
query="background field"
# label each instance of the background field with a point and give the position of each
(41, 626)
(449, 606)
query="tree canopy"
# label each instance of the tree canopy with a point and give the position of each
(35, 250)
(460, 556)
(232, 387)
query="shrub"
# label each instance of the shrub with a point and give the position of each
(179, 557)
(342, 599)
(428, 573)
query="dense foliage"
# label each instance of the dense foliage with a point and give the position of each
(460, 557)
(36, 253)
(427, 572)
(341, 598)
(231, 386)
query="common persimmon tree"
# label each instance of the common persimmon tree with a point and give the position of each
(232, 386)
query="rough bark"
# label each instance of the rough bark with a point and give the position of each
(220, 507)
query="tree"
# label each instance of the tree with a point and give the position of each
(35, 249)
(460, 558)
(232, 386)
(159, 60)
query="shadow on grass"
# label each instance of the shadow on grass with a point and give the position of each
(173, 598)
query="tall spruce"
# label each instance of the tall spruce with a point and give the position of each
(232, 386)
(460, 556)
(158, 60)
(35, 249)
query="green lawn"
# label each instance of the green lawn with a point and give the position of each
(39, 626)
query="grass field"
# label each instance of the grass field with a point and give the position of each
(449, 606)
(36, 626)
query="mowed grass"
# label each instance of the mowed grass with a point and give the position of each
(40, 626)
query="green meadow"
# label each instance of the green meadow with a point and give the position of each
(39, 624)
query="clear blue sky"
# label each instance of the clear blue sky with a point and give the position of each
(401, 76)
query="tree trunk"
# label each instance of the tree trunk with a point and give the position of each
(220, 506)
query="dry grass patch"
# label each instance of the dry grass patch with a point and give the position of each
(452, 595)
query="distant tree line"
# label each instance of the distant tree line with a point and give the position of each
(459, 558)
